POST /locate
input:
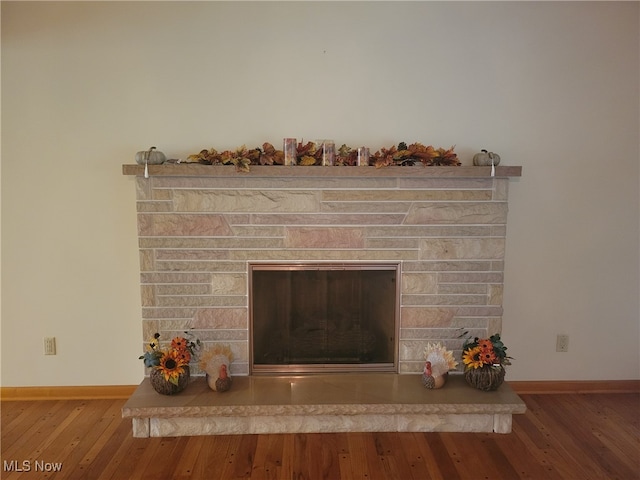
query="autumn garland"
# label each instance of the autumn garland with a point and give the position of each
(311, 154)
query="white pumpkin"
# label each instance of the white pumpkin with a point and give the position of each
(151, 157)
(486, 158)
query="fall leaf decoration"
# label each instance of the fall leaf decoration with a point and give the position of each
(309, 154)
(271, 156)
(413, 154)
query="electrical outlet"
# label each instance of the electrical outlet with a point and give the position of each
(49, 345)
(562, 343)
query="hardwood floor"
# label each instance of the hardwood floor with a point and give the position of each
(562, 436)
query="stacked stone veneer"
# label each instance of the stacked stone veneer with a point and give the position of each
(197, 235)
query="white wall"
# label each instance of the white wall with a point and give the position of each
(550, 86)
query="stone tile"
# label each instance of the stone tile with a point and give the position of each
(147, 292)
(160, 313)
(219, 335)
(419, 283)
(143, 189)
(443, 299)
(422, 231)
(160, 194)
(147, 260)
(154, 206)
(175, 277)
(500, 189)
(448, 266)
(182, 224)
(252, 201)
(323, 255)
(198, 289)
(405, 243)
(229, 283)
(328, 219)
(442, 182)
(238, 218)
(365, 207)
(426, 317)
(141, 427)
(478, 311)
(462, 248)
(446, 336)
(327, 237)
(471, 277)
(263, 231)
(203, 301)
(461, 213)
(461, 289)
(149, 327)
(495, 294)
(201, 266)
(494, 325)
(422, 195)
(220, 318)
(191, 254)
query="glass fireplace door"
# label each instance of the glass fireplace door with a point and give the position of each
(310, 318)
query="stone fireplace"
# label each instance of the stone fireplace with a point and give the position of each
(200, 227)
(204, 231)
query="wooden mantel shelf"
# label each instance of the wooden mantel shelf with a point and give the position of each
(199, 170)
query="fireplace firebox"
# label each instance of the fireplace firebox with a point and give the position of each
(308, 318)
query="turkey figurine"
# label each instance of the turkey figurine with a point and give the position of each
(215, 362)
(438, 362)
(223, 383)
(427, 378)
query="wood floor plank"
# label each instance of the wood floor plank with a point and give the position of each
(70, 446)
(212, 457)
(185, 464)
(47, 418)
(357, 455)
(409, 444)
(560, 437)
(471, 456)
(566, 451)
(105, 428)
(526, 463)
(378, 466)
(268, 457)
(244, 456)
(438, 460)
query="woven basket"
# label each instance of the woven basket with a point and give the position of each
(486, 378)
(165, 387)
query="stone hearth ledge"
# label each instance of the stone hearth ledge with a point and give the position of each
(369, 402)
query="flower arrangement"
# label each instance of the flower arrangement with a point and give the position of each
(485, 352)
(172, 360)
(484, 361)
(310, 154)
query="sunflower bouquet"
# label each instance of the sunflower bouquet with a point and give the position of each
(172, 360)
(484, 361)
